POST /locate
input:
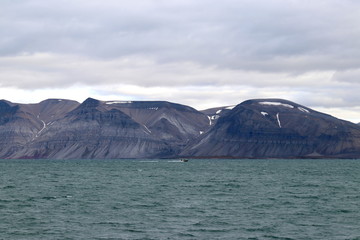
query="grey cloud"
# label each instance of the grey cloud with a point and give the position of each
(46, 70)
(251, 35)
(256, 48)
(349, 76)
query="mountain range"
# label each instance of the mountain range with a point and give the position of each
(94, 129)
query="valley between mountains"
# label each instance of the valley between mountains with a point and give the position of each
(94, 129)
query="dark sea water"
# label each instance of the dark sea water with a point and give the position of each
(160, 199)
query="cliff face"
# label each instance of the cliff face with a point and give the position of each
(88, 131)
(96, 129)
(275, 128)
(21, 124)
(166, 121)
(263, 128)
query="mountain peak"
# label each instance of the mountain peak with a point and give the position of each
(90, 102)
(7, 111)
(276, 105)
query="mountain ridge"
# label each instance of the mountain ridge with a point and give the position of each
(256, 128)
(276, 128)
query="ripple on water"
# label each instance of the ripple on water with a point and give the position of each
(203, 199)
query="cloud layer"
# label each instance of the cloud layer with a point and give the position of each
(203, 53)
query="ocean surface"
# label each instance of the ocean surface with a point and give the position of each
(166, 199)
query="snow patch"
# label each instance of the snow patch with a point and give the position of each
(214, 117)
(303, 110)
(44, 126)
(201, 132)
(115, 102)
(218, 111)
(277, 104)
(42, 129)
(153, 108)
(230, 107)
(264, 113)
(278, 119)
(146, 128)
(210, 122)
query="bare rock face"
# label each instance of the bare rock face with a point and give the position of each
(21, 124)
(275, 128)
(92, 131)
(215, 113)
(7, 112)
(167, 121)
(10, 123)
(63, 129)
(262, 128)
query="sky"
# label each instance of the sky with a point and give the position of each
(203, 53)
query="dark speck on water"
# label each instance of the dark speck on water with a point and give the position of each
(161, 199)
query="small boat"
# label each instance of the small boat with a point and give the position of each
(184, 160)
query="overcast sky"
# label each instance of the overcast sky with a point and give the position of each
(202, 53)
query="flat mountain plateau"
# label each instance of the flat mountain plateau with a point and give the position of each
(94, 129)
